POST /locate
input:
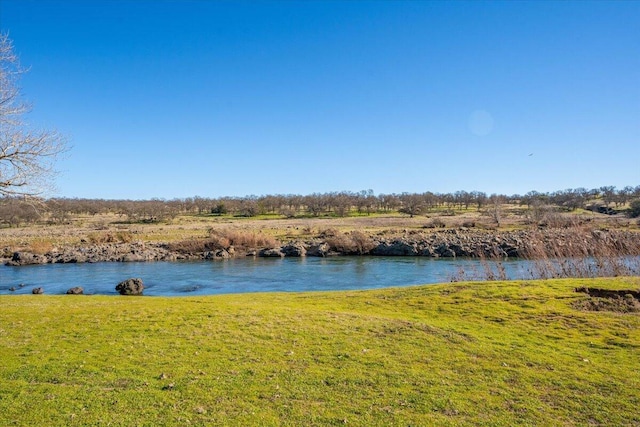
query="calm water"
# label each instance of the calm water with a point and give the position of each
(248, 275)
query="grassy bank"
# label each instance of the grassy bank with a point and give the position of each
(496, 353)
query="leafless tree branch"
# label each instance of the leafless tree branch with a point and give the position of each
(27, 156)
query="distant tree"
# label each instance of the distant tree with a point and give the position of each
(342, 204)
(15, 211)
(412, 204)
(219, 209)
(316, 203)
(249, 207)
(388, 202)
(59, 211)
(495, 208)
(575, 198)
(365, 201)
(634, 208)
(26, 155)
(464, 198)
(430, 199)
(608, 194)
(480, 198)
(624, 195)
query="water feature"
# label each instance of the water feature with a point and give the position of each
(251, 275)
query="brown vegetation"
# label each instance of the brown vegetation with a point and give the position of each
(224, 239)
(352, 243)
(110, 237)
(583, 252)
(40, 246)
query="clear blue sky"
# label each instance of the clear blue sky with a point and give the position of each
(224, 98)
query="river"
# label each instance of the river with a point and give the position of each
(253, 275)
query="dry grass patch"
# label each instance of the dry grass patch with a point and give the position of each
(110, 237)
(243, 238)
(225, 238)
(352, 243)
(41, 246)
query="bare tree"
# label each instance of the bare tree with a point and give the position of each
(412, 204)
(26, 155)
(496, 208)
(608, 194)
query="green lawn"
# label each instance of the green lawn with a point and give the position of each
(491, 354)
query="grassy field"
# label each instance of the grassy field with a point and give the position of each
(88, 229)
(493, 353)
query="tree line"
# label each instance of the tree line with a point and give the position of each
(15, 211)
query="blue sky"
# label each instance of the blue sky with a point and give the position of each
(225, 98)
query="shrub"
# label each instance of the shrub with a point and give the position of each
(328, 232)
(110, 237)
(219, 209)
(352, 243)
(224, 238)
(188, 246)
(124, 236)
(97, 238)
(363, 243)
(288, 213)
(40, 246)
(435, 223)
(582, 252)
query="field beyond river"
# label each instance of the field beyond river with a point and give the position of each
(104, 238)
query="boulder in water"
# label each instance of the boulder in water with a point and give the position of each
(132, 286)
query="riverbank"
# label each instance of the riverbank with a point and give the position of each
(463, 354)
(449, 243)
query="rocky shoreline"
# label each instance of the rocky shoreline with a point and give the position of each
(437, 244)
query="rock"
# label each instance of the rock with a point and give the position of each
(37, 291)
(396, 248)
(427, 252)
(294, 250)
(132, 286)
(26, 258)
(444, 251)
(271, 253)
(133, 257)
(12, 289)
(76, 290)
(510, 250)
(218, 254)
(321, 250)
(223, 254)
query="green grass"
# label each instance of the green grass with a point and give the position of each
(463, 354)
